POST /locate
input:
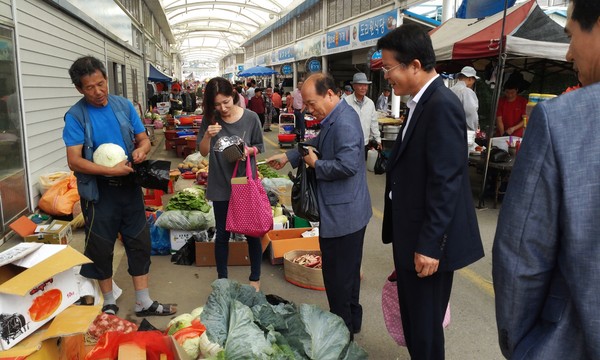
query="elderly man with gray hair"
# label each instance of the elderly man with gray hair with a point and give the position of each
(365, 108)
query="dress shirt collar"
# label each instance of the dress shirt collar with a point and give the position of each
(412, 103)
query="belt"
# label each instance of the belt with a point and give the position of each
(115, 181)
(297, 109)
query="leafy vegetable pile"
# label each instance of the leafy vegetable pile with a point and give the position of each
(189, 199)
(267, 172)
(247, 327)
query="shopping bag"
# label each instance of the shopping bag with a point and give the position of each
(152, 174)
(380, 163)
(304, 193)
(249, 211)
(391, 310)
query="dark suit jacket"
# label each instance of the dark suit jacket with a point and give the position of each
(431, 211)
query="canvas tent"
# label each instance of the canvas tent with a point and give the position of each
(157, 76)
(529, 32)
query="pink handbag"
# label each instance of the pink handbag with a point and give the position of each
(391, 310)
(249, 211)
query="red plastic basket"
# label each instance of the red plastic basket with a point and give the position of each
(286, 138)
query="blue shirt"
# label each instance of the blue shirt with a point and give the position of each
(105, 127)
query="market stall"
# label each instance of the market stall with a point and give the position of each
(522, 38)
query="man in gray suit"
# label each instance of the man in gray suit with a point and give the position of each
(342, 192)
(546, 256)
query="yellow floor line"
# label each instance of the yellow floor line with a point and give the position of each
(273, 143)
(485, 285)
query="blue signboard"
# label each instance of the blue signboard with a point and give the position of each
(286, 69)
(286, 53)
(338, 38)
(313, 65)
(377, 26)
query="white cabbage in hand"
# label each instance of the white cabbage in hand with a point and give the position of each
(109, 155)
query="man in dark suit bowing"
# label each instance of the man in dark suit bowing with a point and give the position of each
(429, 215)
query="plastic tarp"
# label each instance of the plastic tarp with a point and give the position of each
(157, 76)
(529, 33)
(480, 8)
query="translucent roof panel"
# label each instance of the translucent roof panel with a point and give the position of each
(208, 30)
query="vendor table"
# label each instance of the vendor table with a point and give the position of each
(503, 171)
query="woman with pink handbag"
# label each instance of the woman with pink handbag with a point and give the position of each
(222, 117)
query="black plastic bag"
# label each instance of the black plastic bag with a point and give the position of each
(380, 163)
(304, 193)
(145, 325)
(153, 174)
(187, 254)
(498, 155)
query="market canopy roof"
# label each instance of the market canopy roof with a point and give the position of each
(156, 75)
(529, 32)
(207, 30)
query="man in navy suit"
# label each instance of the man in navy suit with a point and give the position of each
(546, 255)
(429, 216)
(342, 192)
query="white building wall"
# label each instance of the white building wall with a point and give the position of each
(5, 11)
(49, 41)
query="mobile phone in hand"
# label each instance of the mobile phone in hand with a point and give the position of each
(305, 150)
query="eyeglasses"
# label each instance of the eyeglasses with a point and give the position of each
(386, 71)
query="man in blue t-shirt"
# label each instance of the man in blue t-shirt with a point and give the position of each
(111, 203)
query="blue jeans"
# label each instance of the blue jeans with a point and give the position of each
(222, 244)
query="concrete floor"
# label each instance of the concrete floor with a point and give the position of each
(471, 334)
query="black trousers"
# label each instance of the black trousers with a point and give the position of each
(423, 303)
(342, 257)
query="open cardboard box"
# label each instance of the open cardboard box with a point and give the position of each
(37, 283)
(238, 253)
(57, 232)
(278, 242)
(68, 327)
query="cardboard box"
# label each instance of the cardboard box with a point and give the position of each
(238, 253)
(57, 232)
(178, 238)
(68, 326)
(278, 242)
(37, 283)
(301, 275)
